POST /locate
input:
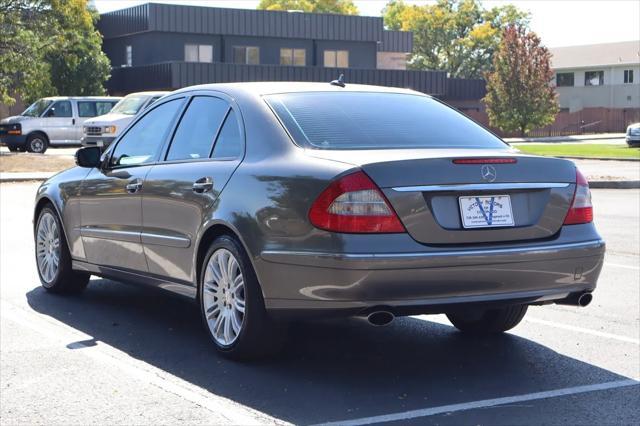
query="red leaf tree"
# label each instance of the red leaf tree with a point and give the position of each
(519, 94)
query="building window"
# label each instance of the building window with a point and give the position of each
(628, 76)
(336, 58)
(297, 57)
(246, 55)
(198, 53)
(564, 79)
(594, 78)
(129, 56)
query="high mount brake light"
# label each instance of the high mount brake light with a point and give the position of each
(581, 210)
(485, 161)
(354, 204)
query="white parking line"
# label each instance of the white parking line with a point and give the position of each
(583, 330)
(485, 403)
(441, 319)
(231, 411)
(619, 265)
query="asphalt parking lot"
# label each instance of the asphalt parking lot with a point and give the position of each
(122, 354)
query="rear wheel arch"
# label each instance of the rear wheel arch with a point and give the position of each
(208, 237)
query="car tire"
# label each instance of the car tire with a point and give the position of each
(37, 143)
(53, 260)
(488, 321)
(257, 335)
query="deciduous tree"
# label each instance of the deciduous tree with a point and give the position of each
(457, 36)
(519, 95)
(50, 47)
(344, 7)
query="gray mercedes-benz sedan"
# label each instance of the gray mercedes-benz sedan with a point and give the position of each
(271, 201)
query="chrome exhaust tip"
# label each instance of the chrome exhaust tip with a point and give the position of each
(585, 299)
(577, 299)
(380, 318)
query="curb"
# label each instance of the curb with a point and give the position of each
(594, 158)
(567, 139)
(614, 184)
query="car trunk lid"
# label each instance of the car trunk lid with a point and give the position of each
(425, 189)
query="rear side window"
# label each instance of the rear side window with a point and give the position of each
(229, 143)
(60, 109)
(364, 120)
(86, 109)
(141, 143)
(198, 128)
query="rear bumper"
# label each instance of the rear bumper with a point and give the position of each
(427, 282)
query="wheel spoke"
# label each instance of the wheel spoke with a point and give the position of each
(223, 297)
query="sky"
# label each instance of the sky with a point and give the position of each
(557, 22)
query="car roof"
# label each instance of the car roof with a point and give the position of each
(150, 93)
(82, 98)
(276, 87)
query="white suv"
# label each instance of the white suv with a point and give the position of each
(101, 131)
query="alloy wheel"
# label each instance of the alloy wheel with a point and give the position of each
(223, 297)
(48, 247)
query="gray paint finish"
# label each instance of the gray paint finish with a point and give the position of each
(263, 200)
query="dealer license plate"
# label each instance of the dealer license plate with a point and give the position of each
(486, 211)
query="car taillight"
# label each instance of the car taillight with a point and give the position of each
(581, 210)
(354, 204)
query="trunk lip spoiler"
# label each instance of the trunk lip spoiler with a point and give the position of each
(482, 186)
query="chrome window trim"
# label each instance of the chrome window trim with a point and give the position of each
(481, 187)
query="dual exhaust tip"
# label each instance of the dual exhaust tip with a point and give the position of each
(381, 318)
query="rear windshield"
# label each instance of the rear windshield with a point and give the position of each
(129, 105)
(363, 120)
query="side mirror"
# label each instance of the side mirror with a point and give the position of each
(89, 157)
(51, 112)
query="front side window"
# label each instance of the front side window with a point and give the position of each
(594, 78)
(295, 57)
(129, 56)
(197, 129)
(141, 143)
(369, 120)
(628, 76)
(60, 109)
(336, 58)
(37, 108)
(229, 142)
(198, 53)
(246, 55)
(564, 79)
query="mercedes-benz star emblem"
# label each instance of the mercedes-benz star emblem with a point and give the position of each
(488, 173)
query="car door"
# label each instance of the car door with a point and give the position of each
(110, 206)
(58, 122)
(206, 148)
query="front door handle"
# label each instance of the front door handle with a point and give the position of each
(134, 186)
(204, 184)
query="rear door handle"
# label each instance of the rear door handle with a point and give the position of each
(204, 184)
(134, 186)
